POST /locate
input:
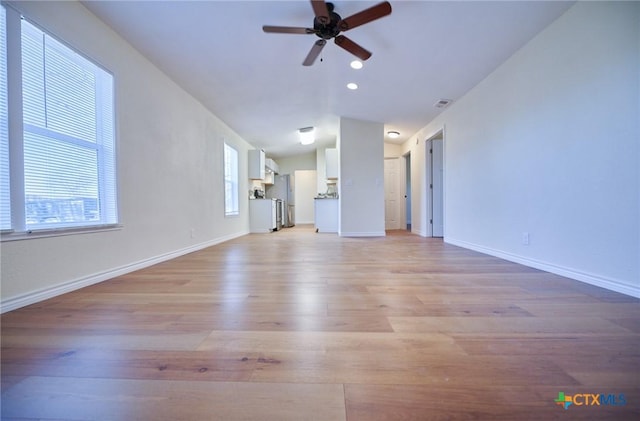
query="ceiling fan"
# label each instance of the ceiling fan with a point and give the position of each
(328, 24)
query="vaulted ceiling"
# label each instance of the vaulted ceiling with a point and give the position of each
(255, 82)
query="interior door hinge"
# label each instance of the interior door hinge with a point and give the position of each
(431, 221)
(430, 186)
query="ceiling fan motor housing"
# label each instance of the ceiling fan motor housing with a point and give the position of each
(329, 30)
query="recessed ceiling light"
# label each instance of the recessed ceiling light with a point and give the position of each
(352, 86)
(356, 64)
(393, 134)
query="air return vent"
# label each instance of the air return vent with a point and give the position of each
(443, 103)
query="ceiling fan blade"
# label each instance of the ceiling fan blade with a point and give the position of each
(321, 11)
(352, 47)
(314, 53)
(376, 12)
(287, 30)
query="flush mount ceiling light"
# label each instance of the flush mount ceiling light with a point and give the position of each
(393, 134)
(307, 135)
(352, 86)
(356, 64)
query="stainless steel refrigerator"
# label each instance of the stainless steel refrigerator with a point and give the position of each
(283, 189)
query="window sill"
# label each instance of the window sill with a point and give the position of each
(57, 232)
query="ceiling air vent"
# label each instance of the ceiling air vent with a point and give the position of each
(443, 103)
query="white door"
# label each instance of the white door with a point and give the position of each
(392, 193)
(437, 195)
(305, 190)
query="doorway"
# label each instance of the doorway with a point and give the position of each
(407, 190)
(435, 175)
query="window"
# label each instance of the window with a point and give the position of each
(230, 181)
(5, 199)
(62, 173)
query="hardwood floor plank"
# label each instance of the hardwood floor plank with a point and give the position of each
(130, 364)
(406, 368)
(484, 402)
(111, 399)
(497, 325)
(323, 342)
(600, 309)
(550, 345)
(39, 338)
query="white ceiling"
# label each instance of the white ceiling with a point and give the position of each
(255, 82)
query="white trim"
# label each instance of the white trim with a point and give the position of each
(57, 232)
(420, 232)
(363, 234)
(46, 293)
(599, 281)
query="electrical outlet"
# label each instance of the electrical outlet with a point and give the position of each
(193, 233)
(525, 238)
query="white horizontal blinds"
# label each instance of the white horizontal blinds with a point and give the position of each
(69, 170)
(231, 206)
(107, 147)
(5, 196)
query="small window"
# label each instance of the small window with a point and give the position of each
(66, 164)
(230, 181)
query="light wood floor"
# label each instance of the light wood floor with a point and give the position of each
(296, 325)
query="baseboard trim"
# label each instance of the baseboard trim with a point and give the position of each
(587, 278)
(363, 234)
(46, 293)
(422, 233)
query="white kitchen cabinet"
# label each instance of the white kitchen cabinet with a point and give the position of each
(272, 166)
(326, 215)
(262, 215)
(331, 163)
(256, 164)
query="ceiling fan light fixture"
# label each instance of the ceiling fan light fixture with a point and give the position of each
(307, 135)
(393, 134)
(356, 64)
(352, 86)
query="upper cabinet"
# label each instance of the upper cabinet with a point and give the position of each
(331, 162)
(272, 166)
(256, 164)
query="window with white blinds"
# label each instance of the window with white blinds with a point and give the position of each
(5, 197)
(231, 206)
(68, 144)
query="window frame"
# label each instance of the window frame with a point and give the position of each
(233, 167)
(17, 128)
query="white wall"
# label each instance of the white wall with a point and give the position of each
(361, 149)
(170, 173)
(289, 164)
(392, 150)
(548, 144)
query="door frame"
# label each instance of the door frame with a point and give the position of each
(407, 211)
(428, 177)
